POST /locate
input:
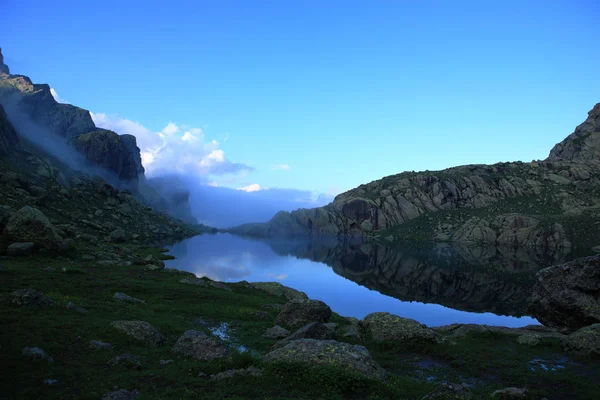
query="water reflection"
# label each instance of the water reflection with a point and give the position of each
(436, 284)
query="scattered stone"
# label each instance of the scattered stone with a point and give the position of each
(30, 297)
(20, 249)
(447, 391)
(165, 362)
(194, 281)
(510, 393)
(262, 316)
(122, 394)
(50, 382)
(200, 346)
(31, 225)
(202, 374)
(384, 326)
(277, 289)
(327, 352)
(35, 353)
(250, 371)
(79, 309)
(314, 330)
(98, 345)
(565, 296)
(585, 341)
(529, 340)
(128, 360)
(140, 330)
(117, 236)
(299, 312)
(128, 299)
(276, 332)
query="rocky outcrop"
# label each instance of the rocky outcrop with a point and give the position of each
(8, 136)
(585, 341)
(141, 331)
(567, 296)
(200, 346)
(299, 312)
(512, 203)
(583, 145)
(31, 225)
(384, 327)
(327, 352)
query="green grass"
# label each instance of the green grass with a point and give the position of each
(487, 361)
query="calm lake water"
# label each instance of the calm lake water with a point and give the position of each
(435, 284)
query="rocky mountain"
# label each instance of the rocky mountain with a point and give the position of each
(8, 135)
(24, 99)
(535, 204)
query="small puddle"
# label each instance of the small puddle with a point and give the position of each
(539, 364)
(222, 331)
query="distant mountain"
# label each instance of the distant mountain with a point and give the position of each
(549, 205)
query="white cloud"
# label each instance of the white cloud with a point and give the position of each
(173, 149)
(279, 277)
(54, 94)
(255, 187)
(280, 167)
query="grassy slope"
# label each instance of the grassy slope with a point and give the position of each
(487, 361)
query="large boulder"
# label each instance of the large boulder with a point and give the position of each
(383, 326)
(200, 346)
(299, 312)
(20, 249)
(585, 341)
(31, 225)
(327, 352)
(566, 296)
(140, 330)
(277, 289)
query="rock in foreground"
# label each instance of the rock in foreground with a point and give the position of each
(585, 341)
(327, 352)
(566, 296)
(384, 326)
(31, 225)
(299, 312)
(199, 345)
(140, 330)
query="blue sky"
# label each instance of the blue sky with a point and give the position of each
(341, 92)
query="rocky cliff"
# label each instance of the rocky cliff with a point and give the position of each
(515, 203)
(8, 135)
(118, 154)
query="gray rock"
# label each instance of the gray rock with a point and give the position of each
(99, 345)
(277, 307)
(529, 339)
(220, 285)
(389, 327)
(35, 353)
(118, 236)
(250, 371)
(585, 341)
(510, 393)
(165, 362)
(351, 332)
(121, 394)
(565, 296)
(127, 360)
(276, 332)
(194, 281)
(314, 330)
(200, 346)
(327, 352)
(31, 225)
(262, 316)
(76, 308)
(277, 289)
(20, 249)
(30, 297)
(128, 299)
(140, 330)
(299, 312)
(50, 382)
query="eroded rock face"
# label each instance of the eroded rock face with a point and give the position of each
(384, 326)
(200, 346)
(31, 225)
(583, 144)
(566, 296)
(299, 312)
(140, 330)
(327, 352)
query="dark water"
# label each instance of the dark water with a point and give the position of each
(435, 284)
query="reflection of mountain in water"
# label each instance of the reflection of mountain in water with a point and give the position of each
(479, 279)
